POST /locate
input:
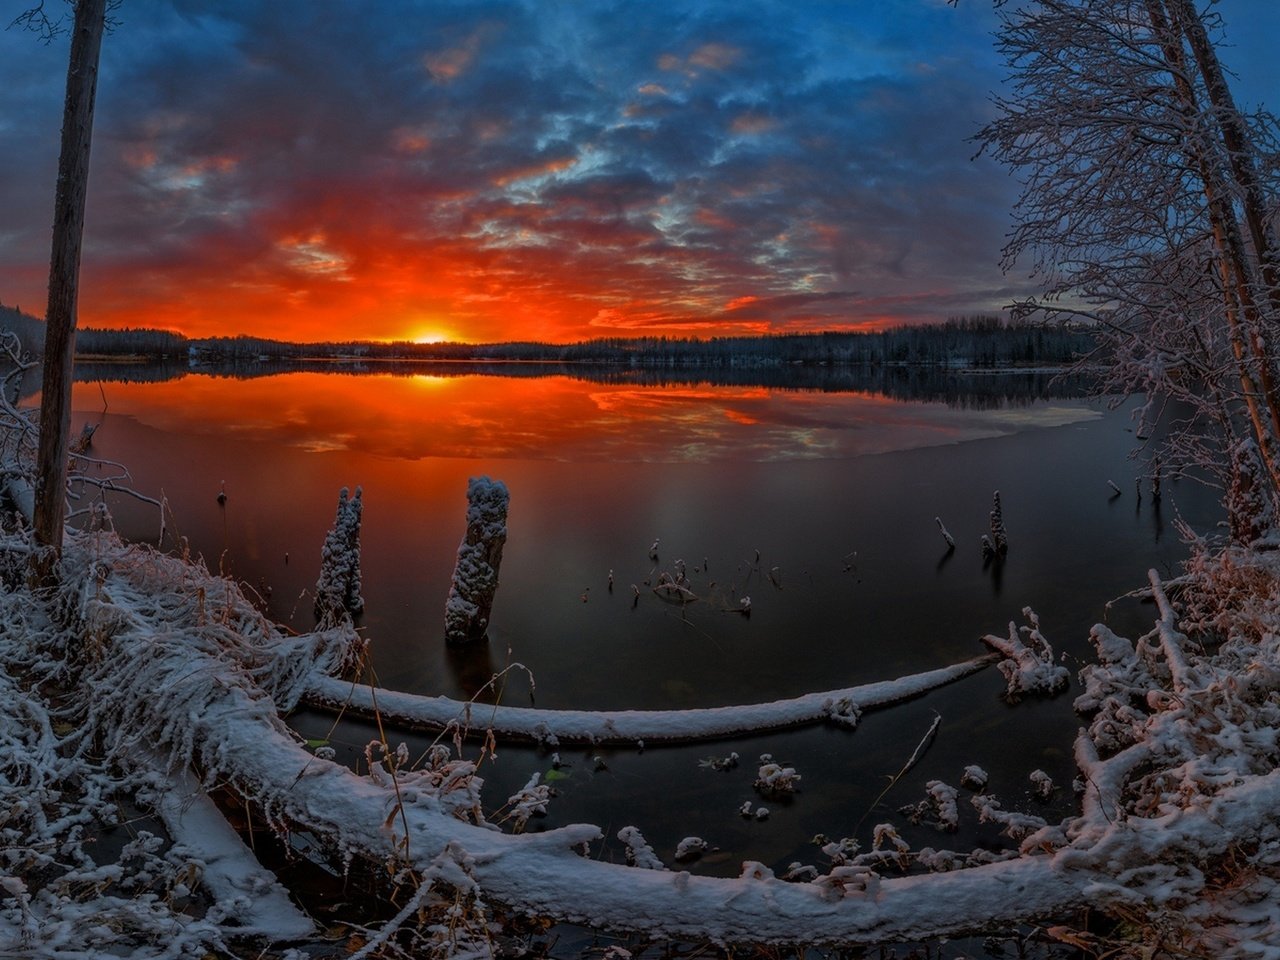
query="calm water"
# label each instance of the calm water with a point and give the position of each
(836, 491)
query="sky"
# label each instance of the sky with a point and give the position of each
(530, 169)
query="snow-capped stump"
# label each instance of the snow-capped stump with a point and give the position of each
(762, 813)
(946, 534)
(475, 576)
(639, 853)
(691, 847)
(974, 778)
(999, 536)
(745, 811)
(773, 778)
(338, 588)
(530, 801)
(1028, 667)
(1041, 784)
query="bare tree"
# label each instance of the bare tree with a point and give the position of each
(64, 271)
(1145, 201)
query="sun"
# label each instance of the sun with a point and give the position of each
(430, 335)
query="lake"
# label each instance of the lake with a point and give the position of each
(818, 503)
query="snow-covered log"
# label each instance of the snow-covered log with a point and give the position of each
(626, 727)
(338, 588)
(228, 869)
(475, 576)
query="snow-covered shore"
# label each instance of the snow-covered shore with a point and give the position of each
(1177, 774)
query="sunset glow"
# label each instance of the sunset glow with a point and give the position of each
(520, 171)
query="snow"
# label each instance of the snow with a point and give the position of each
(1027, 667)
(773, 778)
(974, 777)
(228, 870)
(639, 853)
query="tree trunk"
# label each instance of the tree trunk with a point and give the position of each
(1239, 307)
(64, 278)
(1240, 152)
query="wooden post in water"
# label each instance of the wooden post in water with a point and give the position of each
(64, 279)
(475, 576)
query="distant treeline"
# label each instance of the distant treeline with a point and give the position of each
(979, 341)
(967, 388)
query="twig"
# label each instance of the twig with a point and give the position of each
(912, 760)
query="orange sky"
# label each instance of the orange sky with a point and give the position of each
(495, 171)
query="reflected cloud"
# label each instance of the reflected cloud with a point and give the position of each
(557, 418)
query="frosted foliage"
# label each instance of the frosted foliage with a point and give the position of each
(774, 778)
(144, 627)
(475, 576)
(529, 801)
(338, 588)
(639, 853)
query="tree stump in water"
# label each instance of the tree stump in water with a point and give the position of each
(338, 588)
(475, 576)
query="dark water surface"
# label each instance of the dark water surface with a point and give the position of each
(836, 491)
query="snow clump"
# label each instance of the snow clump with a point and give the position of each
(639, 853)
(1029, 666)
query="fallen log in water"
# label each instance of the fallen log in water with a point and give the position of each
(627, 727)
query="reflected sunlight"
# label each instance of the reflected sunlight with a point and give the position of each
(448, 413)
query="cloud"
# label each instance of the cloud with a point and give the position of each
(517, 169)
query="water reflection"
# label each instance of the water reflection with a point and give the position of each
(739, 480)
(558, 417)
